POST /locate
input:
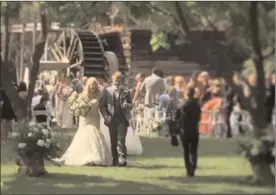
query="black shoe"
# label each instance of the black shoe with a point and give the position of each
(114, 163)
(190, 174)
(122, 164)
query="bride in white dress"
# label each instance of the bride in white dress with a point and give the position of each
(88, 146)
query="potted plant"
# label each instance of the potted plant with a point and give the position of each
(260, 152)
(33, 145)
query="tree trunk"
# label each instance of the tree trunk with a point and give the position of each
(261, 171)
(182, 18)
(31, 166)
(39, 49)
(259, 116)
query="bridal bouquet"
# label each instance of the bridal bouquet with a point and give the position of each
(79, 105)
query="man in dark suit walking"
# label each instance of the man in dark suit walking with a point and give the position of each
(188, 116)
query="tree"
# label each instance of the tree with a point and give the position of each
(250, 35)
(20, 106)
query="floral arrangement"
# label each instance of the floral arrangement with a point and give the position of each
(138, 110)
(37, 138)
(259, 150)
(155, 125)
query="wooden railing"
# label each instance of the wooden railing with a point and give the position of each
(20, 28)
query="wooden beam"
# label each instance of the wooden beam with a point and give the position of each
(21, 68)
(30, 26)
(53, 65)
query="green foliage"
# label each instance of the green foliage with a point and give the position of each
(249, 67)
(258, 150)
(159, 40)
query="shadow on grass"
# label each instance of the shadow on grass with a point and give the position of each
(206, 179)
(81, 184)
(161, 148)
(159, 166)
(237, 180)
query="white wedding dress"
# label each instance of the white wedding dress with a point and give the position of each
(133, 142)
(88, 145)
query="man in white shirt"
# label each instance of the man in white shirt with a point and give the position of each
(155, 86)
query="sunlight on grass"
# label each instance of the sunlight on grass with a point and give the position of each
(160, 170)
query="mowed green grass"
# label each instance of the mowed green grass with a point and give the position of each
(160, 170)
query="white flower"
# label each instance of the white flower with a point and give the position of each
(30, 134)
(21, 145)
(54, 120)
(47, 145)
(254, 151)
(45, 131)
(155, 125)
(32, 124)
(14, 135)
(34, 129)
(40, 142)
(48, 141)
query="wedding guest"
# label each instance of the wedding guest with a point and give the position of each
(170, 81)
(38, 93)
(64, 91)
(179, 84)
(139, 80)
(270, 99)
(41, 106)
(84, 80)
(189, 116)
(22, 90)
(203, 82)
(154, 86)
(101, 81)
(7, 115)
(77, 83)
(213, 105)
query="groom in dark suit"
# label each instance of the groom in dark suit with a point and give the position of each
(115, 107)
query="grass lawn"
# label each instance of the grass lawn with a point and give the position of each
(159, 170)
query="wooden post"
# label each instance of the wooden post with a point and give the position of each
(22, 50)
(7, 35)
(34, 35)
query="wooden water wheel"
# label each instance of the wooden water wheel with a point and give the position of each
(80, 49)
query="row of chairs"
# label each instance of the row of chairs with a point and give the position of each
(216, 121)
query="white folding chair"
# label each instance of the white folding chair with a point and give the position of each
(42, 113)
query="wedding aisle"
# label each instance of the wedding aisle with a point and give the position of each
(158, 170)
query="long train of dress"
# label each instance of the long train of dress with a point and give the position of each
(133, 142)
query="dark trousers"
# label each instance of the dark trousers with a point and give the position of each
(118, 131)
(190, 146)
(228, 125)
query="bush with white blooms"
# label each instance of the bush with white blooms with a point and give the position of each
(37, 138)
